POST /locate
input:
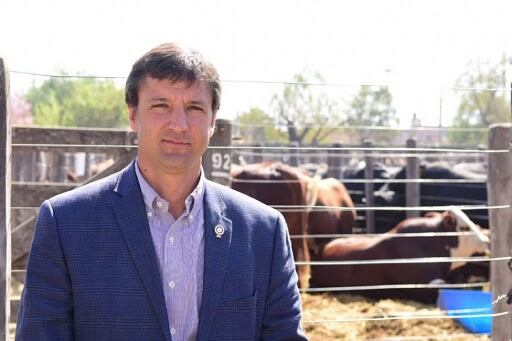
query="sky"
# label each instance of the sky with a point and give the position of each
(417, 48)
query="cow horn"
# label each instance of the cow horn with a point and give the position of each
(463, 218)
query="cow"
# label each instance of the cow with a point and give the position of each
(327, 195)
(279, 184)
(389, 246)
(332, 194)
(291, 186)
(473, 192)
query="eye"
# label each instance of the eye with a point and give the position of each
(196, 108)
(159, 105)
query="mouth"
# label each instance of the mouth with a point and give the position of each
(175, 142)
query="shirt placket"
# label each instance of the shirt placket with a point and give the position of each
(174, 278)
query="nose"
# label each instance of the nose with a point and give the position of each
(178, 119)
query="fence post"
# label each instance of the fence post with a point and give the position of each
(60, 169)
(412, 190)
(334, 162)
(256, 154)
(5, 202)
(217, 162)
(499, 187)
(369, 189)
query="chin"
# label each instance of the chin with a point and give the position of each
(178, 166)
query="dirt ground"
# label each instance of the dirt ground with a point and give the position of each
(321, 307)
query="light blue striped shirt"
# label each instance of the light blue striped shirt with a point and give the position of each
(179, 246)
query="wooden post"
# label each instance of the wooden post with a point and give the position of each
(27, 165)
(59, 167)
(499, 187)
(41, 167)
(412, 190)
(369, 189)
(334, 162)
(217, 162)
(5, 202)
(257, 156)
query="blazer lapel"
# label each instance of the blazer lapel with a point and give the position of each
(217, 235)
(131, 215)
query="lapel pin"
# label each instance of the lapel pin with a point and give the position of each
(219, 231)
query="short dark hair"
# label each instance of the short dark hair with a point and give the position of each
(175, 63)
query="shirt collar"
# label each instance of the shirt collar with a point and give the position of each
(158, 205)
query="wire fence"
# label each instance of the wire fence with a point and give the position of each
(252, 81)
(312, 208)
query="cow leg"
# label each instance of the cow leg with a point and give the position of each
(297, 225)
(303, 271)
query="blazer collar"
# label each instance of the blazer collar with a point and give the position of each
(131, 215)
(217, 236)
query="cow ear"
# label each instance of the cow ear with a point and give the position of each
(449, 220)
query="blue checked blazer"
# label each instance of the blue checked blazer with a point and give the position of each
(93, 274)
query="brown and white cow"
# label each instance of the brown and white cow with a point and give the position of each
(388, 246)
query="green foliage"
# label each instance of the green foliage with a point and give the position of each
(372, 107)
(83, 102)
(308, 117)
(481, 108)
(256, 126)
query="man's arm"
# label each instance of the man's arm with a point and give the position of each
(282, 316)
(46, 308)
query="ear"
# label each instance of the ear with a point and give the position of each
(212, 123)
(449, 220)
(132, 116)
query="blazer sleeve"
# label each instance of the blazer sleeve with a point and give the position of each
(46, 308)
(282, 315)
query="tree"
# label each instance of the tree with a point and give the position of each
(307, 117)
(480, 105)
(372, 107)
(256, 126)
(82, 102)
(20, 110)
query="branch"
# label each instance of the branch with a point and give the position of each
(304, 132)
(327, 132)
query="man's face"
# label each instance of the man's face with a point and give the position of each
(174, 121)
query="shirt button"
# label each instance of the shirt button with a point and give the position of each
(172, 284)
(171, 240)
(159, 204)
(150, 214)
(173, 331)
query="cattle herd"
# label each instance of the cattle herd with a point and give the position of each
(317, 209)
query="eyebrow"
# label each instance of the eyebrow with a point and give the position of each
(200, 102)
(160, 99)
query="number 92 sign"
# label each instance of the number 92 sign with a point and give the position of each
(217, 166)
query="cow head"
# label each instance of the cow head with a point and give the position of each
(475, 243)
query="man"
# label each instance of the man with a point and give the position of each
(156, 251)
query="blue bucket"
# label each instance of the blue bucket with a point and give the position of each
(450, 299)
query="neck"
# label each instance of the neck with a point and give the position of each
(173, 187)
